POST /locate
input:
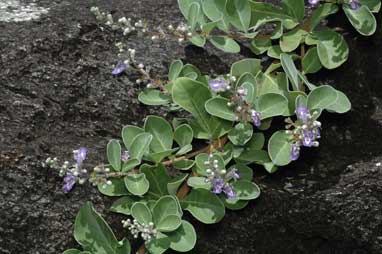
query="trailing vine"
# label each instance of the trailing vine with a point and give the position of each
(157, 173)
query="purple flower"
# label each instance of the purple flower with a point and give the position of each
(69, 180)
(125, 155)
(354, 4)
(308, 138)
(256, 118)
(119, 68)
(229, 191)
(218, 84)
(80, 155)
(314, 2)
(217, 185)
(294, 152)
(302, 113)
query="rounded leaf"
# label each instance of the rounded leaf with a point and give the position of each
(279, 147)
(184, 238)
(137, 184)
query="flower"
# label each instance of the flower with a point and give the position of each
(217, 185)
(125, 156)
(294, 152)
(80, 155)
(69, 180)
(256, 118)
(229, 191)
(354, 4)
(119, 68)
(302, 113)
(233, 174)
(308, 138)
(314, 2)
(219, 84)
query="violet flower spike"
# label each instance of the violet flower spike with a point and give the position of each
(80, 155)
(302, 113)
(125, 156)
(354, 4)
(69, 180)
(217, 185)
(229, 191)
(219, 84)
(308, 138)
(256, 118)
(119, 68)
(294, 152)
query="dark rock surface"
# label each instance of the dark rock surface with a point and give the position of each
(56, 93)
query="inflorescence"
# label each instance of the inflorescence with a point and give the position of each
(220, 178)
(306, 130)
(147, 232)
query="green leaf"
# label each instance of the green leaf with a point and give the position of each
(159, 244)
(140, 145)
(373, 5)
(256, 142)
(218, 107)
(192, 96)
(290, 70)
(241, 134)
(240, 14)
(322, 12)
(123, 205)
(272, 104)
(185, 7)
(322, 97)
(125, 248)
(198, 182)
(93, 233)
(184, 238)
(311, 62)
(250, 90)
(193, 15)
(204, 206)
(279, 148)
(362, 19)
(130, 164)
(137, 184)
(183, 135)
(114, 154)
(72, 251)
(141, 213)
(169, 223)
(291, 40)
(183, 164)
(274, 51)
(263, 13)
(162, 133)
(252, 156)
(158, 179)
(175, 70)
(246, 190)
(341, 105)
(198, 40)
(166, 205)
(260, 45)
(174, 184)
(295, 8)
(234, 204)
(332, 48)
(153, 97)
(185, 149)
(129, 132)
(246, 78)
(250, 65)
(225, 43)
(215, 11)
(116, 188)
(159, 156)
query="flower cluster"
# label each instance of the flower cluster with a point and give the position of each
(305, 133)
(147, 232)
(72, 174)
(220, 178)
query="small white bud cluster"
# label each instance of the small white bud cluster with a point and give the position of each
(124, 24)
(147, 232)
(213, 169)
(99, 176)
(182, 32)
